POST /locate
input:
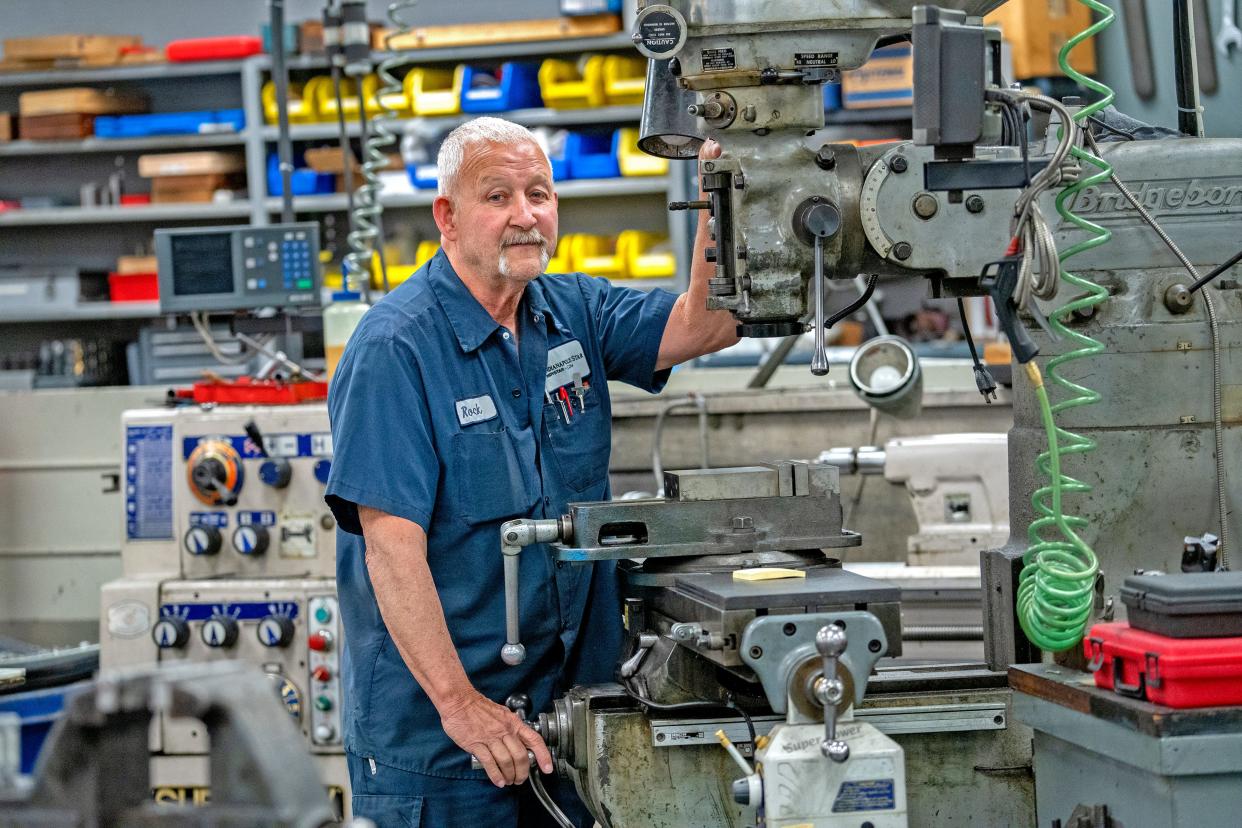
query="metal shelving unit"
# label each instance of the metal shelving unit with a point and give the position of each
(113, 74)
(481, 52)
(163, 142)
(113, 215)
(526, 117)
(85, 311)
(586, 188)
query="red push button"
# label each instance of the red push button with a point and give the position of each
(320, 641)
(322, 674)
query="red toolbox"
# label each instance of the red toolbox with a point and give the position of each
(1175, 672)
(232, 47)
(133, 287)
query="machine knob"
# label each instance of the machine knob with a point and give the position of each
(250, 540)
(219, 631)
(275, 631)
(276, 473)
(320, 642)
(748, 790)
(215, 473)
(325, 733)
(170, 632)
(322, 469)
(203, 540)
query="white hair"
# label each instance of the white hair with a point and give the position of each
(478, 131)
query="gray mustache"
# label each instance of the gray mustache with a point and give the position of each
(526, 237)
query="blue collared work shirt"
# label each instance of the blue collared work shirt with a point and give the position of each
(440, 418)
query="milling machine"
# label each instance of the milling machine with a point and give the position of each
(972, 204)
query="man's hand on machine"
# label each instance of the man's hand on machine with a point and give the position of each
(496, 737)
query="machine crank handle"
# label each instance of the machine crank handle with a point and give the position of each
(1000, 279)
(514, 536)
(819, 360)
(830, 641)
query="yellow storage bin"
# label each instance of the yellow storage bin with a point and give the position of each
(562, 261)
(625, 79)
(434, 91)
(399, 102)
(573, 85)
(397, 273)
(301, 109)
(323, 98)
(596, 256)
(426, 249)
(634, 161)
(644, 255)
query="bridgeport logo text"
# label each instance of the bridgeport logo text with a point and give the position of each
(1211, 196)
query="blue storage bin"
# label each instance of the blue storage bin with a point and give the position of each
(560, 168)
(39, 710)
(423, 176)
(518, 88)
(304, 181)
(170, 123)
(832, 96)
(592, 155)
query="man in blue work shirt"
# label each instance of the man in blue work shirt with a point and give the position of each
(447, 421)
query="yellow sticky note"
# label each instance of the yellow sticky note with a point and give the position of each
(767, 573)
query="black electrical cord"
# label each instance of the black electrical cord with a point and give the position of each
(682, 707)
(1129, 136)
(855, 305)
(983, 377)
(1237, 257)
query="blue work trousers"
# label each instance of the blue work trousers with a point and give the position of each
(394, 798)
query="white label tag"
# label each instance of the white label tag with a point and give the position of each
(475, 410)
(564, 361)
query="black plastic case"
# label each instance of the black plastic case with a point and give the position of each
(1190, 605)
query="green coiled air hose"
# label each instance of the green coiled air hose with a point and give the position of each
(1056, 586)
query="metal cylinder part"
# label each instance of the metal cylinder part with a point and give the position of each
(667, 129)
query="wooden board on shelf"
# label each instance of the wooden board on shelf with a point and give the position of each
(71, 46)
(205, 162)
(513, 31)
(78, 99)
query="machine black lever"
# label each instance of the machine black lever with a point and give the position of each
(1000, 279)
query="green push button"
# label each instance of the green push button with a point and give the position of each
(304, 284)
(323, 615)
(323, 703)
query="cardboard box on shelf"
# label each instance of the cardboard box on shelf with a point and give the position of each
(125, 265)
(6, 126)
(206, 162)
(55, 127)
(79, 99)
(1037, 29)
(192, 189)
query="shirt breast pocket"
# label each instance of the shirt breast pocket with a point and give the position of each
(581, 447)
(490, 482)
